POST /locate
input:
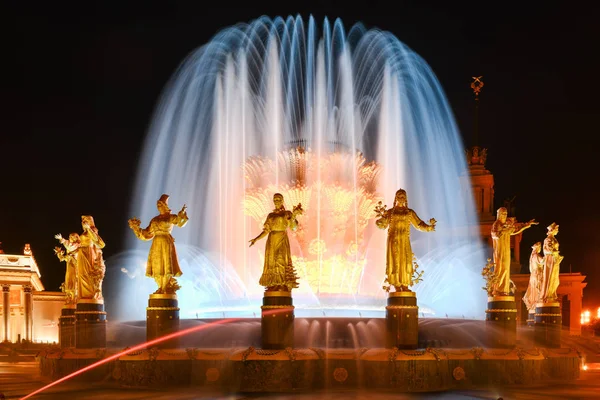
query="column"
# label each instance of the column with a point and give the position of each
(576, 306)
(5, 309)
(27, 290)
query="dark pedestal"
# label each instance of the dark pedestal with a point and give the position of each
(531, 318)
(501, 321)
(66, 327)
(277, 320)
(162, 318)
(402, 320)
(90, 324)
(548, 323)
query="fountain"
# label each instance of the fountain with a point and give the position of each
(336, 121)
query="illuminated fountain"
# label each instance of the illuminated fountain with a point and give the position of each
(337, 123)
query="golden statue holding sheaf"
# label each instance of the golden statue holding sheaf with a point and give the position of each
(71, 245)
(502, 229)
(90, 262)
(278, 272)
(163, 264)
(397, 220)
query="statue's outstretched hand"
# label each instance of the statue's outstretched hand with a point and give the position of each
(58, 236)
(432, 223)
(298, 210)
(252, 242)
(183, 212)
(134, 223)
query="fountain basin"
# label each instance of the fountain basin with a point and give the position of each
(249, 369)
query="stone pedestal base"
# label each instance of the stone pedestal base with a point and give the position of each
(66, 327)
(548, 323)
(162, 318)
(501, 321)
(277, 320)
(402, 320)
(531, 318)
(90, 324)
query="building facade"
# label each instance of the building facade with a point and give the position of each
(27, 312)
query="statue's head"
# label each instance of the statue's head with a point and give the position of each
(401, 199)
(74, 237)
(537, 246)
(163, 204)
(87, 221)
(278, 201)
(553, 228)
(501, 214)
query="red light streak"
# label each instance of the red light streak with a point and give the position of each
(132, 349)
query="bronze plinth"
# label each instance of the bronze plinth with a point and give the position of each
(548, 323)
(501, 321)
(277, 320)
(66, 327)
(162, 318)
(90, 324)
(402, 320)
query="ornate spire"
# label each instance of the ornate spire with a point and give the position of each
(476, 155)
(476, 85)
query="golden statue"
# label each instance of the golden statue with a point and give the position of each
(90, 263)
(72, 245)
(162, 264)
(536, 266)
(399, 257)
(278, 272)
(502, 229)
(552, 260)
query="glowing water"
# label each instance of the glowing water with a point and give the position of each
(258, 90)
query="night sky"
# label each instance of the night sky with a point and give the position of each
(80, 86)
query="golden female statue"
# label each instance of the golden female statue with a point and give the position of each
(278, 272)
(162, 264)
(90, 264)
(70, 283)
(399, 257)
(536, 266)
(502, 229)
(552, 260)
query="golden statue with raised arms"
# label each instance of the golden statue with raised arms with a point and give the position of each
(278, 272)
(162, 264)
(399, 257)
(71, 245)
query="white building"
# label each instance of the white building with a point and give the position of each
(27, 312)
